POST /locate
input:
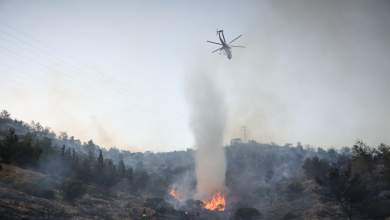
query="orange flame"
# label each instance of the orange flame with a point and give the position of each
(175, 194)
(216, 203)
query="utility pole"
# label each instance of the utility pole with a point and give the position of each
(243, 129)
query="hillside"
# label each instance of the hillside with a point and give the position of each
(23, 197)
(45, 176)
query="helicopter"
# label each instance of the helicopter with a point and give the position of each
(225, 47)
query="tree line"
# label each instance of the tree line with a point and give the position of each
(358, 184)
(75, 170)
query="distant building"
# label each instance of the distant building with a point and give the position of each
(235, 141)
(252, 142)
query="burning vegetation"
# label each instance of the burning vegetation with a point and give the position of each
(176, 194)
(216, 203)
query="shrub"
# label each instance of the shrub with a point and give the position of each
(73, 189)
(247, 214)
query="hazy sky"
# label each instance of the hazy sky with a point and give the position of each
(115, 71)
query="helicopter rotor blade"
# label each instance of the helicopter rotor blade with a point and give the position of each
(217, 50)
(237, 46)
(235, 39)
(213, 42)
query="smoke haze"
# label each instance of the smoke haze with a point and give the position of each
(312, 71)
(208, 116)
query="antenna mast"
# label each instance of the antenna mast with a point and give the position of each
(243, 128)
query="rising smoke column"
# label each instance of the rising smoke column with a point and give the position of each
(208, 114)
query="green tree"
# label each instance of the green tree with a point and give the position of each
(121, 169)
(85, 172)
(362, 158)
(27, 153)
(141, 179)
(130, 175)
(73, 189)
(5, 115)
(74, 155)
(8, 150)
(63, 149)
(384, 156)
(110, 174)
(20, 150)
(315, 168)
(345, 189)
(100, 162)
(91, 149)
(338, 184)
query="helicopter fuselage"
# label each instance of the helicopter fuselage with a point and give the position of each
(226, 48)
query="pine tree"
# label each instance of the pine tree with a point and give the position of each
(121, 169)
(130, 175)
(5, 115)
(74, 156)
(8, 150)
(68, 154)
(63, 151)
(100, 162)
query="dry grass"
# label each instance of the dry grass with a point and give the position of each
(19, 176)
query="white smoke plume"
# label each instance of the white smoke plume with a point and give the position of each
(208, 115)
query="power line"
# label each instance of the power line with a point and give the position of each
(47, 53)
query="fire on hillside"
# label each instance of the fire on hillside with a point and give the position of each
(176, 194)
(216, 203)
